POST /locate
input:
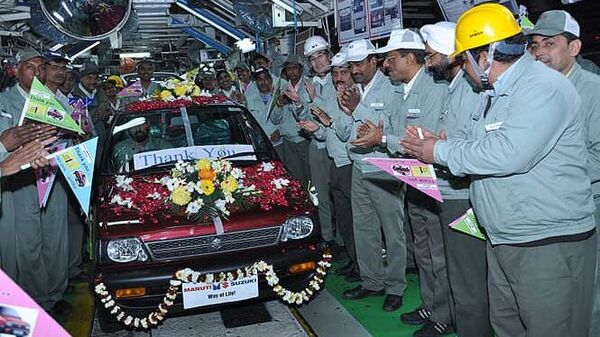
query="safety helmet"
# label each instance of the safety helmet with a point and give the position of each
(482, 25)
(117, 79)
(314, 44)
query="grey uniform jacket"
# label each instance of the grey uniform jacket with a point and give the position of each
(325, 92)
(260, 112)
(336, 148)
(527, 156)
(377, 105)
(588, 87)
(292, 113)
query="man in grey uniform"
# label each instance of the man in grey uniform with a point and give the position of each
(377, 198)
(556, 43)
(421, 103)
(531, 192)
(465, 254)
(340, 173)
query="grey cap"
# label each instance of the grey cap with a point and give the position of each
(144, 61)
(89, 68)
(293, 59)
(262, 70)
(241, 65)
(27, 54)
(555, 22)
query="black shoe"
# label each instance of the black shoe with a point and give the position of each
(360, 292)
(392, 302)
(345, 270)
(352, 277)
(416, 317)
(432, 329)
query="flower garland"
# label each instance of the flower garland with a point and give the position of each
(142, 106)
(190, 276)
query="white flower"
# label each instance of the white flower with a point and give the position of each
(155, 196)
(216, 165)
(194, 206)
(220, 205)
(267, 166)
(205, 93)
(124, 182)
(312, 193)
(117, 199)
(237, 173)
(280, 183)
(228, 198)
(191, 187)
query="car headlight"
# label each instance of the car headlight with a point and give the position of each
(297, 228)
(126, 250)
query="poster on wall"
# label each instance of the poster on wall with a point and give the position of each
(452, 9)
(367, 19)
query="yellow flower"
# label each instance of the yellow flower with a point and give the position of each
(229, 184)
(180, 90)
(203, 164)
(207, 187)
(181, 196)
(165, 95)
(196, 92)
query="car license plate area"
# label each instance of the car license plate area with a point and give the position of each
(204, 294)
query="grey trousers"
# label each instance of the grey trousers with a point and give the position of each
(8, 242)
(410, 242)
(429, 254)
(42, 242)
(542, 291)
(595, 327)
(320, 165)
(341, 195)
(76, 234)
(467, 274)
(377, 200)
(295, 157)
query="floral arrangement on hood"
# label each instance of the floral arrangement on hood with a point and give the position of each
(206, 189)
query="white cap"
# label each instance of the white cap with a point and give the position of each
(440, 36)
(403, 39)
(314, 44)
(339, 59)
(359, 50)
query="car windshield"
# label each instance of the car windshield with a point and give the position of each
(161, 137)
(6, 311)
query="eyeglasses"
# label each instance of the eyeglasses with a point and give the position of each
(429, 56)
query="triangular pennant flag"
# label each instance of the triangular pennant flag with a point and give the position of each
(77, 165)
(132, 90)
(44, 177)
(27, 318)
(411, 171)
(467, 223)
(81, 116)
(43, 107)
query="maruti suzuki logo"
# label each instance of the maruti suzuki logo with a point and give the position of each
(216, 244)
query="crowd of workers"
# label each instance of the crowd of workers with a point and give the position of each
(508, 117)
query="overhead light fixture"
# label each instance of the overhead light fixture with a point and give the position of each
(246, 45)
(134, 55)
(207, 20)
(56, 47)
(85, 50)
(58, 17)
(66, 8)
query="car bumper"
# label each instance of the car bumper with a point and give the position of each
(156, 278)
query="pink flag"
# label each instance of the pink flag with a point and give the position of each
(132, 90)
(411, 171)
(25, 316)
(44, 177)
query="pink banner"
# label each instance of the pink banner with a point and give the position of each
(411, 171)
(44, 178)
(25, 316)
(133, 90)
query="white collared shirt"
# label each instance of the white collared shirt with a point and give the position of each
(408, 86)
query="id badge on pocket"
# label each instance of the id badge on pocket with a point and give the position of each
(413, 113)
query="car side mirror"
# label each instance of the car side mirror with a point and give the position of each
(131, 124)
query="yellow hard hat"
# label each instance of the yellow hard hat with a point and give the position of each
(482, 25)
(118, 81)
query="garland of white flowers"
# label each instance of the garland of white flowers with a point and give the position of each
(188, 276)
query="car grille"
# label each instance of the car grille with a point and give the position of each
(203, 245)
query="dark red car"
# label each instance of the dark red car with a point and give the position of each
(11, 323)
(136, 253)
